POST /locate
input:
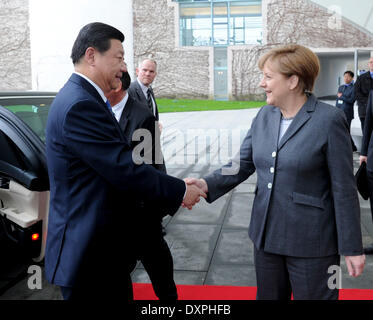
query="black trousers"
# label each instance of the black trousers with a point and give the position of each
(104, 280)
(354, 148)
(362, 120)
(280, 276)
(153, 252)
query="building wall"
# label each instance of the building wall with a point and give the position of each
(15, 61)
(54, 27)
(182, 72)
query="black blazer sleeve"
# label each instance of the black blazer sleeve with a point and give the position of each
(93, 136)
(368, 126)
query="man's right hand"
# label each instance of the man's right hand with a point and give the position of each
(193, 193)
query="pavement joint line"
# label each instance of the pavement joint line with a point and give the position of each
(226, 206)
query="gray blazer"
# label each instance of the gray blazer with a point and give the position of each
(307, 204)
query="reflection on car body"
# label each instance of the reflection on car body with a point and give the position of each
(24, 185)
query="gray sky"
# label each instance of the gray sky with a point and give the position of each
(358, 11)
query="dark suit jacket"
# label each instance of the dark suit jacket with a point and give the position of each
(348, 100)
(136, 93)
(367, 142)
(308, 206)
(137, 116)
(91, 175)
(363, 85)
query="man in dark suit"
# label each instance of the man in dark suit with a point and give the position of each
(151, 248)
(363, 85)
(141, 89)
(89, 251)
(346, 99)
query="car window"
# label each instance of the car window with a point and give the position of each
(34, 115)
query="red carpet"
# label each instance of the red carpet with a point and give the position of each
(144, 291)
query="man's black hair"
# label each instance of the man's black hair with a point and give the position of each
(126, 81)
(96, 35)
(350, 73)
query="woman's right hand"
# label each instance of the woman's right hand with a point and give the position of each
(363, 159)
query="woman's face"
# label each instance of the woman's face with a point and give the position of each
(276, 86)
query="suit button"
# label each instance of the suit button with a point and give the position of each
(269, 185)
(272, 170)
(274, 154)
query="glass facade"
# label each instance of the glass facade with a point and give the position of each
(220, 23)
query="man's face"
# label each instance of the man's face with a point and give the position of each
(370, 64)
(347, 78)
(109, 66)
(147, 72)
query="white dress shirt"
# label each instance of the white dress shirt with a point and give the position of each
(119, 107)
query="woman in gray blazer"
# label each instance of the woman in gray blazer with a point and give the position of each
(306, 210)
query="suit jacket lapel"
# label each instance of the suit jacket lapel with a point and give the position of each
(300, 119)
(92, 91)
(125, 118)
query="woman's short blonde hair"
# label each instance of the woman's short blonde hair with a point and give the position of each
(294, 59)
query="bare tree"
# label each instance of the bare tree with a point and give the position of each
(294, 21)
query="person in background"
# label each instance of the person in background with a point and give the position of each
(363, 85)
(346, 99)
(141, 91)
(151, 248)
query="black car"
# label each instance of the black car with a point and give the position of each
(24, 185)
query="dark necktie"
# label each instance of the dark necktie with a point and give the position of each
(150, 102)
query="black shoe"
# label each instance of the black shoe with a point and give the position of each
(368, 250)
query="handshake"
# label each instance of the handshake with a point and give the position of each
(196, 188)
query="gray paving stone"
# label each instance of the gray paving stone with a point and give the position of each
(231, 275)
(180, 277)
(239, 211)
(234, 247)
(204, 212)
(192, 245)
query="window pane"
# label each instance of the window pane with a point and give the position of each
(198, 28)
(195, 24)
(253, 30)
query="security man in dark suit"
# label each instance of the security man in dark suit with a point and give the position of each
(151, 248)
(346, 99)
(141, 89)
(363, 85)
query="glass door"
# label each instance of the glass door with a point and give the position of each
(220, 73)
